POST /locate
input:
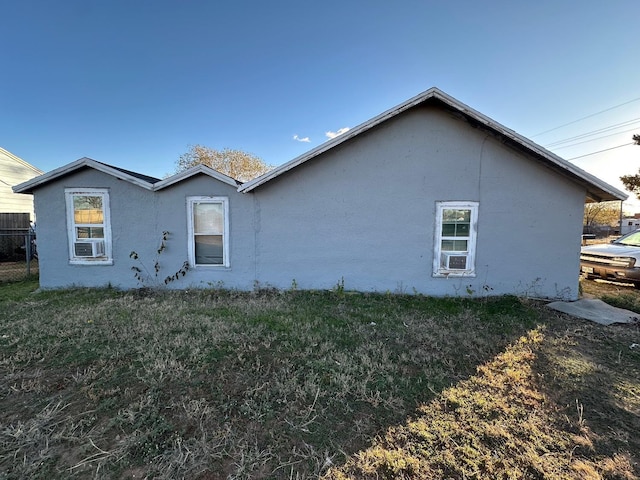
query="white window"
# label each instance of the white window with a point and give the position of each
(88, 225)
(455, 239)
(208, 224)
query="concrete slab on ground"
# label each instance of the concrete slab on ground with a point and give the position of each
(596, 311)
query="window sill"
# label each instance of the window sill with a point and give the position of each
(75, 261)
(453, 274)
(212, 267)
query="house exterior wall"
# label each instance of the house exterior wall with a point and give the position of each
(531, 242)
(172, 203)
(138, 218)
(12, 172)
(133, 218)
(364, 212)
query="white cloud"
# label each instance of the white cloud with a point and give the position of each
(303, 139)
(335, 134)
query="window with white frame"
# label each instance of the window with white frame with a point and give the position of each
(455, 239)
(208, 225)
(88, 225)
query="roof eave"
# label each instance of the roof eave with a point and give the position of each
(198, 169)
(30, 185)
(363, 127)
(595, 188)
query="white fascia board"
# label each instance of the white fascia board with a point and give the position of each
(29, 185)
(47, 177)
(198, 169)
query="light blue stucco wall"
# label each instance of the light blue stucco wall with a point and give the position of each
(138, 218)
(172, 203)
(363, 212)
(133, 217)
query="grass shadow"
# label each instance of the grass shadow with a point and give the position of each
(559, 403)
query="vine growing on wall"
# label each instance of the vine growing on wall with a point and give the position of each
(148, 277)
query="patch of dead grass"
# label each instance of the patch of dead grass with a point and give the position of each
(502, 422)
(222, 384)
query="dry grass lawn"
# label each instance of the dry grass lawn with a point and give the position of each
(17, 271)
(291, 385)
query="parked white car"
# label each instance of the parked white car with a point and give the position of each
(617, 261)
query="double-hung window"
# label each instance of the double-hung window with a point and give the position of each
(455, 239)
(88, 225)
(208, 226)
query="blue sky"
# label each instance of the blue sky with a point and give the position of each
(134, 83)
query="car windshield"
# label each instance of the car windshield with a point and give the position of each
(632, 239)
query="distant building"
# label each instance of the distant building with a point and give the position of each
(629, 224)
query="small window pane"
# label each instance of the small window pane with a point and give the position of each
(454, 215)
(208, 218)
(455, 229)
(89, 232)
(454, 245)
(88, 209)
(209, 249)
(448, 229)
(462, 229)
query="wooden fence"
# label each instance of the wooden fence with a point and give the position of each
(18, 257)
(14, 221)
(13, 227)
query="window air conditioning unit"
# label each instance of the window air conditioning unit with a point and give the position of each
(88, 249)
(453, 261)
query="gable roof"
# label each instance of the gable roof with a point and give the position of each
(596, 189)
(139, 176)
(197, 170)
(127, 175)
(144, 181)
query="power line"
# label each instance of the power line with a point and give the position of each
(584, 118)
(600, 151)
(594, 139)
(595, 132)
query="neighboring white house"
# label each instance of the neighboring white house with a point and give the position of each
(430, 197)
(14, 170)
(630, 224)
